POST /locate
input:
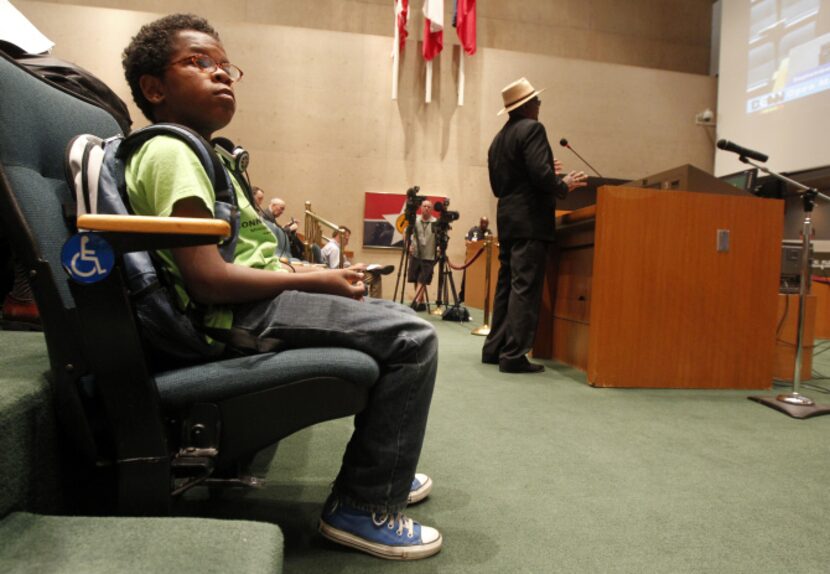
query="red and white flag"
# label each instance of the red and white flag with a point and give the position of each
(433, 28)
(465, 24)
(401, 20)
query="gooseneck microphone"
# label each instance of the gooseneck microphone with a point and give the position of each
(564, 143)
(727, 145)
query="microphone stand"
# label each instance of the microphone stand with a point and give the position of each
(794, 403)
(583, 160)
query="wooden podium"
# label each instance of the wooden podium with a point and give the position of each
(665, 289)
(475, 282)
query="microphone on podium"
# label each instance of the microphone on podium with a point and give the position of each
(564, 143)
(727, 145)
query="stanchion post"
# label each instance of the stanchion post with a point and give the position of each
(484, 330)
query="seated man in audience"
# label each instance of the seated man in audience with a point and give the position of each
(284, 250)
(259, 197)
(331, 250)
(275, 208)
(178, 72)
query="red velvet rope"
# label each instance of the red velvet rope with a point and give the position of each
(468, 263)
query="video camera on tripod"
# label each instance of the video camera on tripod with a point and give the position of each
(454, 310)
(445, 216)
(413, 203)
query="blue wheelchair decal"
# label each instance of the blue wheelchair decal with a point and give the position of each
(87, 257)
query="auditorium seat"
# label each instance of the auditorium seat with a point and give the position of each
(36, 535)
(144, 435)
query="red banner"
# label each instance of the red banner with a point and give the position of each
(384, 221)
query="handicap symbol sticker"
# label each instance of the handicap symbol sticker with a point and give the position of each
(87, 257)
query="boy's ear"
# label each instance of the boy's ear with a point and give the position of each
(152, 87)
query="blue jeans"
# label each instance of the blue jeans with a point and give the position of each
(382, 455)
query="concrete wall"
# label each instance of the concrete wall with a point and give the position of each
(315, 110)
(665, 34)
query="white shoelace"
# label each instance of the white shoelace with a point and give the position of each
(404, 522)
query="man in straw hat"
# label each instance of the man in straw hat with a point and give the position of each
(526, 180)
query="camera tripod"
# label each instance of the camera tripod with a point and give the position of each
(446, 283)
(457, 311)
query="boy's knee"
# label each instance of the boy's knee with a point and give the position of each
(428, 337)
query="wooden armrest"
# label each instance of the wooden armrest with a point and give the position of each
(159, 225)
(128, 233)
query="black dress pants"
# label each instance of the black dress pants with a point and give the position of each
(518, 297)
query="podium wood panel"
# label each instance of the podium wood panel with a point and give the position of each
(666, 309)
(474, 285)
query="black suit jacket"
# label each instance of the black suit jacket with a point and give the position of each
(520, 163)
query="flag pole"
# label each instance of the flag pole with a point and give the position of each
(396, 60)
(428, 97)
(461, 77)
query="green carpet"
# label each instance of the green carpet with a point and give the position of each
(542, 473)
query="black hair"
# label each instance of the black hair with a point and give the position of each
(150, 50)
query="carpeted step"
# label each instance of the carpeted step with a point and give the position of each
(29, 473)
(72, 544)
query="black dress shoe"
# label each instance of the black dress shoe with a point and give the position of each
(520, 366)
(419, 306)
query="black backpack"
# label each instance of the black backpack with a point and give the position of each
(95, 171)
(74, 79)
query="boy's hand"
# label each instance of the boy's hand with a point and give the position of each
(346, 282)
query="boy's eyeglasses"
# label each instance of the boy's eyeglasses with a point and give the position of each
(209, 65)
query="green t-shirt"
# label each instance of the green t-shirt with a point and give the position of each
(165, 170)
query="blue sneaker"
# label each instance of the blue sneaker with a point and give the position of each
(392, 536)
(420, 489)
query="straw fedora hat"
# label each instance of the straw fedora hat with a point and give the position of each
(517, 94)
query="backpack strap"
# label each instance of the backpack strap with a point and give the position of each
(226, 206)
(82, 172)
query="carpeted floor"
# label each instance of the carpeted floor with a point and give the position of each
(542, 473)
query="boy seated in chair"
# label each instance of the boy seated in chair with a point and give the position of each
(178, 72)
